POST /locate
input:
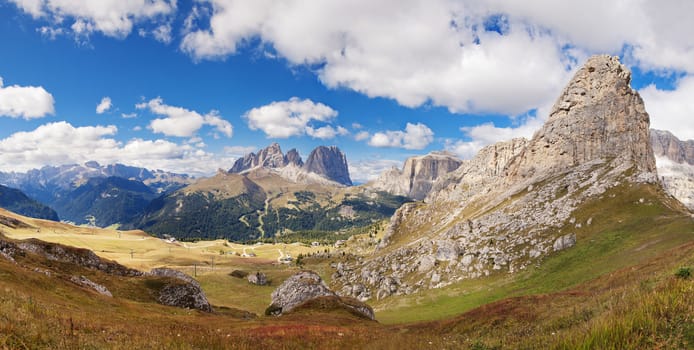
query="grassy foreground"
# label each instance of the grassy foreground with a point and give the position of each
(620, 287)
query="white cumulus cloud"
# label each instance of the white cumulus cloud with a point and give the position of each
(295, 117)
(114, 18)
(182, 122)
(496, 56)
(672, 110)
(479, 136)
(26, 102)
(363, 171)
(415, 136)
(104, 105)
(62, 143)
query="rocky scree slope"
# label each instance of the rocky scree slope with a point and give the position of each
(417, 175)
(675, 161)
(505, 208)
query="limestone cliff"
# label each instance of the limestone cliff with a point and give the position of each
(675, 161)
(505, 208)
(417, 176)
(330, 163)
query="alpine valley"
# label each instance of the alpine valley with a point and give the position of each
(581, 237)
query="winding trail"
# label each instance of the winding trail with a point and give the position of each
(262, 214)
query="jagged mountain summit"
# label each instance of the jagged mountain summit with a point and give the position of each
(270, 157)
(519, 200)
(327, 163)
(675, 161)
(330, 163)
(417, 175)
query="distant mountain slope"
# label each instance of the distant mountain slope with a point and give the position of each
(54, 186)
(105, 201)
(50, 182)
(261, 203)
(675, 162)
(16, 201)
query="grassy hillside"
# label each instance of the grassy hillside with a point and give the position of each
(621, 286)
(630, 224)
(262, 205)
(18, 202)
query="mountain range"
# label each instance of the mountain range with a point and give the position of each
(269, 191)
(569, 239)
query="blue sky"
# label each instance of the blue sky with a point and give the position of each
(190, 86)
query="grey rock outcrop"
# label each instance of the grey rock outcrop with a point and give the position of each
(184, 295)
(166, 272)
(306, 286)
(298, 289)
(598, 116)
(564, 242)
(667, 145)
(675, 162)
(330, 163)
(417, 176)
(258, 278)
(270, 157)
(505, 208)
(87, 283)
(78, 256)
(293, 157)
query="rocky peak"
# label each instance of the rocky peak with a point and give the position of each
(598, 116)
(505, 208)
(418, 175)
(270, 157)
(665, 144)
(330, 163)
(293, 157)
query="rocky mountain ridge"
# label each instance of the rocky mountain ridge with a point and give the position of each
(675, 161)
(417, 175)
(513, 203)
(328, 163)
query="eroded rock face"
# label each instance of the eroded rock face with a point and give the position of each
(270, 157)
(304, 287)
(330, 163)
(667, 145)
(598, 116)
(675, 162)
(505, 208)
(417, 176)
(294, 158)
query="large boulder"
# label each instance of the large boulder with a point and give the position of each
(258, 279)
(307, 286)
(185, 295)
